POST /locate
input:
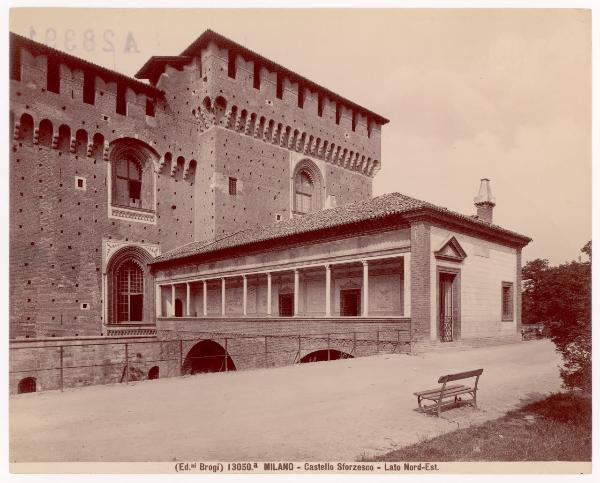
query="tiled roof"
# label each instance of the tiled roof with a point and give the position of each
(359, 211)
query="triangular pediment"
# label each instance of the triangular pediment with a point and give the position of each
(451, 250)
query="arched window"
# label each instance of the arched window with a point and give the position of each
(129, 287)
(305, 192)
(128, 183)
(308, 188)
(130, 292)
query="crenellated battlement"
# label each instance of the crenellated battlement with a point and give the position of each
(37, 66)
(264, 89)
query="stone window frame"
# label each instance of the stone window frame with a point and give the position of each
(509, 314)
(83, 186)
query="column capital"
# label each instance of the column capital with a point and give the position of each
(365, 263)
(328, 266)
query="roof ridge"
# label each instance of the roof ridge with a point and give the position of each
(380, 207)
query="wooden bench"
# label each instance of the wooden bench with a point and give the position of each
(439, 395)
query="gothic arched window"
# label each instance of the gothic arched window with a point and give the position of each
(128, 183)
(304, 192)
(130, 292)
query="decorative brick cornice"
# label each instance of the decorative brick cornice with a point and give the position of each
(272, 132)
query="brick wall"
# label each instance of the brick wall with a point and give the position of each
(56, 230)
(420, 277)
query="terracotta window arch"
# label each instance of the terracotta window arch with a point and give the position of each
(130, 287)
(308, 188)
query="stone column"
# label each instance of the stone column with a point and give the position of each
(269, 310)
(223, 297)
(245, 295)
(172, 300)
(406, 284)
(158, 300)
(328, 290)
(365, 301)
(188, 299)
(204, 298)
(296, 290)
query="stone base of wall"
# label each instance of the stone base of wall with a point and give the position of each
(60, 363)
(72, 362)
(422, 346)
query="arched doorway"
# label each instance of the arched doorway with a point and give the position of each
(207, 356)
(178, 308)
(154, 372)
(321, 355)
(29, 384)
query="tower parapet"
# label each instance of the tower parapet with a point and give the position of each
(266, 100)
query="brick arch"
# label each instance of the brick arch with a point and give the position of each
(141, 258)
(26, 127)
(321, 355)
(207, 356)
(139, 150)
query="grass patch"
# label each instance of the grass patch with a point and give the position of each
(558, 428)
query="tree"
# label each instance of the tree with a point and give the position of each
(561, 298)
(534, 303)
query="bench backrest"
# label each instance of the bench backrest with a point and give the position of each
(460, 375)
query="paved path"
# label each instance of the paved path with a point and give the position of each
(338, 410)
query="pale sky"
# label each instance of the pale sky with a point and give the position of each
(503, 94)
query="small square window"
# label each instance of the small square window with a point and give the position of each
(85, 306)
(232, 186)
(278, 217)
(80, 183)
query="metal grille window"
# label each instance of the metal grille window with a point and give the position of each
(128, 183)
(130, 292)
(304, 189)
(507, 301)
